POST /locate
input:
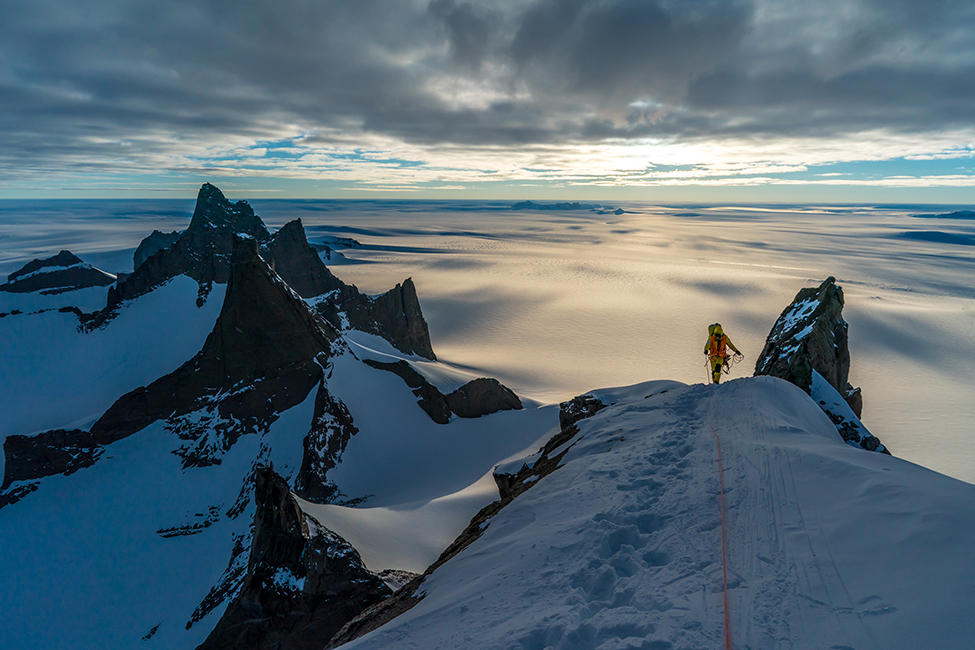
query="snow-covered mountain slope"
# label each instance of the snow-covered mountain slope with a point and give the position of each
(55, 376)
(827, 545)
(158, 495)
(138, 540)
(132, 544)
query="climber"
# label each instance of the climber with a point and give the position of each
(716, 350)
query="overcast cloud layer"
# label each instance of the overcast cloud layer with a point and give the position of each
(403, 92)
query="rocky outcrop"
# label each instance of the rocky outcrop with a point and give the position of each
(512, 479)
(52, 452)
(266, 352)
(303, 582)
(429, 397)
(264, 355)
(810, 334)
(811, 338)
(394, 315)
(481, 397)
(62, 272)
(290, 255)
(331, 429)
(478, 397)
(202, 251)
(578, 408)
(155, 242)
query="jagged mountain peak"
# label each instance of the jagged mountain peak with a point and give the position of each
(155, 242)
(213, 210)
(291, 256)
(263, 324)
(303, 581)
(203, 252)
(266, 352)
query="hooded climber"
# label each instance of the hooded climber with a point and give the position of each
(717, 350)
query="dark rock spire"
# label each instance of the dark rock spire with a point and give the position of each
(297, 263)
(811, 337)
(303, 581)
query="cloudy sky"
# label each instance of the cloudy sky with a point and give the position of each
(848, 100)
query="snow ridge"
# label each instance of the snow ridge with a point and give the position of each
(621, 546)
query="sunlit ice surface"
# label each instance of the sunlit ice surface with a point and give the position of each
(557, 302)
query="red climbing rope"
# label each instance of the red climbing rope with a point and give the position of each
(724, 555)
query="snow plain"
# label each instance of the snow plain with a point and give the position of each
(556, 303)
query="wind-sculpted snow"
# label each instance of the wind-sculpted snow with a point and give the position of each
(827, 546)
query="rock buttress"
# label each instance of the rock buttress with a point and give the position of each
(810, 337)
(303, 581)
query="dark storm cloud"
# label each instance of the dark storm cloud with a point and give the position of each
(87, 85)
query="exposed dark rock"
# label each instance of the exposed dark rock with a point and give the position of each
(562, 205)
(481, 397)
(202, 521)
(578, 408)
(52, 452)
(331, 429)
(232, 577)
(202, 251)
(510, 486)
(394, 315)
(264, 355)
(16, 492)
(303, 581)
(854, 398)
(155, 242)
(297, 263)
(429, 397)
(395, 579)
(475, 398)
(62, 272)
(810, 336)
